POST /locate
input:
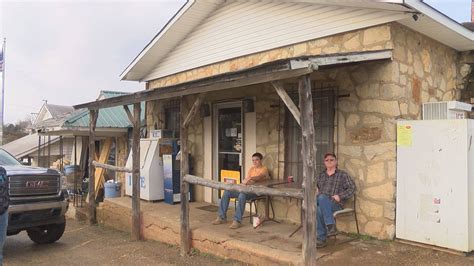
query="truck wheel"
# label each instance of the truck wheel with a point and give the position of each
(46, 234)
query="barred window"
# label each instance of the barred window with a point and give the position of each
(323, 115)
(171, 111)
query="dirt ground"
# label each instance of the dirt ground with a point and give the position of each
(375, 252)
(96, 245)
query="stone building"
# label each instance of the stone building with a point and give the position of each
(371, 63)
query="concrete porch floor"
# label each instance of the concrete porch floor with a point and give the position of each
(269, 243)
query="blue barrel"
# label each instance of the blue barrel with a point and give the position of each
(70, 169)
(112, 190)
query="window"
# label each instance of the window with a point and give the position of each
(6, 159)
(323, 106)
(171, 111)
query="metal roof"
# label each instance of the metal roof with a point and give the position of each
(26, 145)
(53, 111)
(113, 117)
(58, 110)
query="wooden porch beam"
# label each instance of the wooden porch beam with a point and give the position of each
(278, 85)
(201, 86)
(193, 110)
(308, 151)
(136, 219)
(184, 187)
(93, 115)
(278, 70)
(129, 114)
(341, 59)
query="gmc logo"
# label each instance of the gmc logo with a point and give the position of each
(35, 184)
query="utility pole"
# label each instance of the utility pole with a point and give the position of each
(2, 68)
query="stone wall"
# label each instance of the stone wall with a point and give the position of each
(370, 39)
(365, 141)
(122, 156)
(428, 70)
(268, 129)
(422, 70)
(195, 143)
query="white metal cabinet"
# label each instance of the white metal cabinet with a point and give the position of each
(151, 171)
(435, 183)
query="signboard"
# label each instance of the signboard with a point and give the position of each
(230, 177)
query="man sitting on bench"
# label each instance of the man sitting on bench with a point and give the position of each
(334, 188)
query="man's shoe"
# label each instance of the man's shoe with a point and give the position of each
(320, 243)
(218, 221)
(332, 230)
(235, 225)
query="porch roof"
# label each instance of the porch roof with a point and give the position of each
(278, 70)
(111, 121)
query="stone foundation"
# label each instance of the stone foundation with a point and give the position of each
(270, 246)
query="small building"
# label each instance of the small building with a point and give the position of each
(112, 134)
(39, 150)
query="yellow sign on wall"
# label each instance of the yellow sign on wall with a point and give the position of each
(404, 135)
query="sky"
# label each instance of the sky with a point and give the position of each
(66, 51)
(459, 10)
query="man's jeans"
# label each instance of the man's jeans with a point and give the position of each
(324, 214)
(3, 233)
(241, 200)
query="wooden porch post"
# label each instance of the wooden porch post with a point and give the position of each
(93, 114)
(39, 150)
(61, 154)
(309, 162)
(136, 219)
(48, 164)
(185, 230)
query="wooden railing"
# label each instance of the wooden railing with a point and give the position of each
(112, 167)
(251, 189)
(259, 190)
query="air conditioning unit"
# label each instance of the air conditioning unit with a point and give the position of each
(445, 110)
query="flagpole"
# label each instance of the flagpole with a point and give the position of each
(3, 90)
